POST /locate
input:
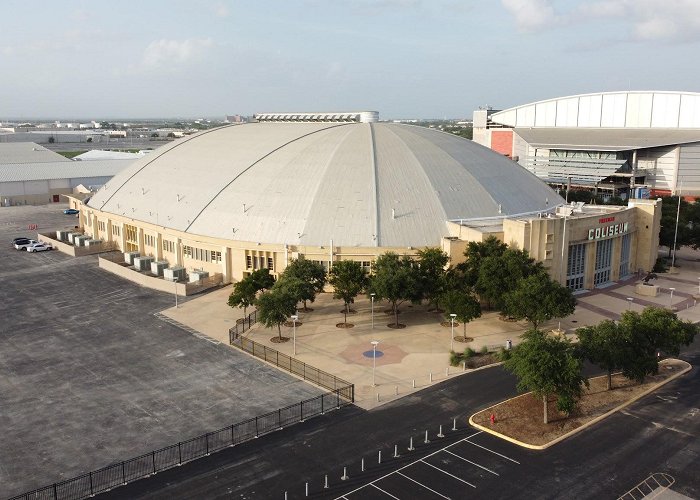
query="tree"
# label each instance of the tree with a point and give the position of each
(463, 305)
(348, 280)
(395, 279)
(604, 345)
(243, 294)
(274, 307)
(431, 264)
(475, 253)
(547, 366)
(500, 274)
(296, 288)
(310, 272)
(262, 279)
(52, 139)
(655, 329)
(538, 298)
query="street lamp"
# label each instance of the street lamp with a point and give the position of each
(372, 297)
(629, 303)
(671, 299)
(374, 360)
(295, 317)
(452, 341)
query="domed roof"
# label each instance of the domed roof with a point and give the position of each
(358, 184)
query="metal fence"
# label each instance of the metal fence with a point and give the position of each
(121, 473)
(343, 388)
(236, 331)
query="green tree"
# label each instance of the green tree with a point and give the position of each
(537, 298)
(348, 280)
(294, 287)
(500, 274)
(243, 294)
(431, 265)
(396, 280)
(310, 272)
(475, 254)
(274, 307)
(463, 305)
(547, 366)
(604, 345)
(262, 279)
(655, 329)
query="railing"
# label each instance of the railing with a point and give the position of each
(343, 388)
(121, 473)
(236, 331)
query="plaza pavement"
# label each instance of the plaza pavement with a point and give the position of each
(419, 353)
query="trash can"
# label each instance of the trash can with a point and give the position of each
(509, 344)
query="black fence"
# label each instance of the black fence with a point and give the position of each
(121, 473)
(235, 332)
(343, 388)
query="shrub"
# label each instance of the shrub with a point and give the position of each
(484, 350)
(455, 358)
(660, 266)
(469, 353)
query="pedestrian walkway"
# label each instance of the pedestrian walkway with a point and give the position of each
(417, 356)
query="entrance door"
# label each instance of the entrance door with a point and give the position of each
(603, 258)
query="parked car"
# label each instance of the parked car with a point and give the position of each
(19, 240)
(71, 211)
(39, 247)
(22, 244)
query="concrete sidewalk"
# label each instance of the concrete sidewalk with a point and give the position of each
(419, 353)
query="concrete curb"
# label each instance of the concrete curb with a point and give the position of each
(584, 426)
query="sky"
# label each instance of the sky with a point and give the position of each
(404, 58)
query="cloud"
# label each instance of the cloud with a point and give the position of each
(530, 15)
(170, 53)
(221, 10)
(650, 20)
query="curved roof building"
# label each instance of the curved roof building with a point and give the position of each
(619, 141)
(357, 184)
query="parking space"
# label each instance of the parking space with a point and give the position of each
(457, 470)
(89, 375)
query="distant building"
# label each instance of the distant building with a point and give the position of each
(621, 143)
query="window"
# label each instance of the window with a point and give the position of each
(216, 257)
(169, 246)
(270, 265)
(102, 226)
(625, 255)
(116, 231)
(603, 256)
(149, 240)
(187, 251)
(576, 267)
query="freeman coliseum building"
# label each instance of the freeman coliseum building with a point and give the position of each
(341, 186)
(630, 144)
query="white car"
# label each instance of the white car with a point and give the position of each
(39, 247)
(22, 244)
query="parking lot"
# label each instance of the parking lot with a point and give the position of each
(88, 374)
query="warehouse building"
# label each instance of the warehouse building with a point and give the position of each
(337, 186)
(628, 144)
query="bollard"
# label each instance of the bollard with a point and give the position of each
(431, 377)
(454, 424)
(414, 383)
(426, 438)
(396, 451)
(447, 371)
(380, 457)
(345, 476)
(285, 495)
(377, 397)
(396, 391)
(307, 489)
(410, 445)
(440, 434)
(464, 366)
(325, 483)
(363, 464)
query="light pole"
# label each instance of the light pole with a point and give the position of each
(374, 360)
(452, 341)
(671, 299)
(629, 303)
(295, 317)
(371, 295)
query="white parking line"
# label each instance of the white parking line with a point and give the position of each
(473, 463)
(424, 486)
(445, 472)
(385, 492)
(494, 452)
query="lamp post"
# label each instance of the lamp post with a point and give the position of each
(371, 295)
(671, 299)
(374, 360)
(295, 317)
(629, 303)
(452, 341)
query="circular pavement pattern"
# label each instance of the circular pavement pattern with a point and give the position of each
(370, 354)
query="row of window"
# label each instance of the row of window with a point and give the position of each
(259, 262)
(201, 254)
(169, 246)
(149, 240)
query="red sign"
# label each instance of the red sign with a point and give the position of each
(606, 219)
(32, 226)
